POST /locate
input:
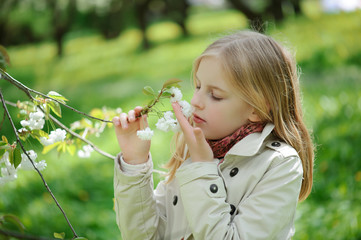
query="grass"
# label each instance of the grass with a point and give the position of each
(95, 73)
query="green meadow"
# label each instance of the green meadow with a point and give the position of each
(95, 72)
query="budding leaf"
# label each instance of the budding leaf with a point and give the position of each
(39, 133)
(59, 235)
(166, 94)
(147, 90)
(5, 140)
(57, 96)
(10, 218)
(55, 107)
(46, 149)
(171, 82)
(83, 238)
(61, 147)
(15, 157)
(71, 149)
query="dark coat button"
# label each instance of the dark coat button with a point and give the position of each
(233, 172)
(233, 209)
(276, 144)
(175, 200)
(213, 188)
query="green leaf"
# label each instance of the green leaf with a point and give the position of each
(83, 238)
(11, 218)
(71, 149)
(59, 235)
(17, 157)
(39, 133)
(2, 152)
(11, 156)
(46, 149)
(61, 147)
(171, 82)
(55, 107)
(166, 94)
(57, 96)
(147, 90)
(5, 140)
(4, 58)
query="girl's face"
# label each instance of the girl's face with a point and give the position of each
(218, 109)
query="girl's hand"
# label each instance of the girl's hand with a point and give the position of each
(199, 149)
(135, 150)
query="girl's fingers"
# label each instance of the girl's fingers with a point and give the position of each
(131, 116)
(143, 122)
(199, 135)
(137, 110)
(116, 121)
(183, 122)
(124, 120)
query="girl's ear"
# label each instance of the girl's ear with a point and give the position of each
(253, 117)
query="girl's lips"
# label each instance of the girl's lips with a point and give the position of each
(197, 119)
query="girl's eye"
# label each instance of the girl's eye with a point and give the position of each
(216, 98)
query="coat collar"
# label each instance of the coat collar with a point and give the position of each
(251, 144)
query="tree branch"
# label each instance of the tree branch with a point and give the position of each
(60, 124)
(57, 122)
(32, 162)
(22, 236)
(28, 92)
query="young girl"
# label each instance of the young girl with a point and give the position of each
(241, 163)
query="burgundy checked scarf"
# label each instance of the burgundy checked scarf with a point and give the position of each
(221, 146)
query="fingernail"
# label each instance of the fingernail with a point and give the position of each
(116, 121)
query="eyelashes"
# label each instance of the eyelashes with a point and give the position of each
(215, 98)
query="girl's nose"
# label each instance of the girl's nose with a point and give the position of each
(196, 101)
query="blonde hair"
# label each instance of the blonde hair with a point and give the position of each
(265, 75)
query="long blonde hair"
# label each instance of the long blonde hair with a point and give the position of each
(265, 74)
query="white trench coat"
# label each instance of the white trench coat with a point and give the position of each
(252, 194)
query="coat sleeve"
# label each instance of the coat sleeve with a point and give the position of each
(140, 211)
(262, 215)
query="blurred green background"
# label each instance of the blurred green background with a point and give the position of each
(108, 65)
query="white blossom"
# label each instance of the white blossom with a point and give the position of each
(21, 130)
(58, 135)
(176, 94)
(145, 134)
(36, 115)
(187, 109)
(8, 173)
(85, 152)
(23, 112)
(26, 164)
(168, 123)
(41, 165)
(24, 123)
(75, 125)
(36, 120)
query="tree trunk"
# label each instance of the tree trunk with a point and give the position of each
(297, 6)
(62, 21)
(275, 8)
(141, 9)
(255, 19)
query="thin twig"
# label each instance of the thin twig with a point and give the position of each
(60, 124)
(28, 92)
(32, 162)
(57, 122)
